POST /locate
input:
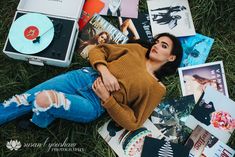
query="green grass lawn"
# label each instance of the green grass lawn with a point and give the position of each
(214, 18)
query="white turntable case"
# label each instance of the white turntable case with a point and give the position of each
(62, 9)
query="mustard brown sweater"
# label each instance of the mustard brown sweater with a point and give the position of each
(140, 92)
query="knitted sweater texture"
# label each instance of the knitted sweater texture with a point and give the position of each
(140, 92)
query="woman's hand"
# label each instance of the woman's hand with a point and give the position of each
(110, 81)
(100, 90)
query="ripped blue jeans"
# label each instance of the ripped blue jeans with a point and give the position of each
(76, 101)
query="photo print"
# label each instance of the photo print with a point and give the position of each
(203, 144)
(194, 79)
(171, 16)
(170, 116)
(98, 31)
(214, 112)
(195, 49)
(128, 143)
(123, 8)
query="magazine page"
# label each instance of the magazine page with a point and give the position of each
(197, 141)
(136, 29)
(194, 79)
(123, 8)
(127, 143)
(171, 16)
(89, 9)
(195, 49)
(170, 116)
(204, 144)
(159, 148)
(215, 147)
(215, 113)
(98, 31)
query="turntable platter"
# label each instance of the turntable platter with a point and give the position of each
(31, 33)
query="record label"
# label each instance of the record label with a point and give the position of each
(31, 33)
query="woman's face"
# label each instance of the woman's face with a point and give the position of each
(161, 50)
(102, 38)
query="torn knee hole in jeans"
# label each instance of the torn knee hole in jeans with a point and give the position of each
(18, 99)
(56, 99)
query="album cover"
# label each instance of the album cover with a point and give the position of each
(195, 49)
(136, 29)
(202, 143)
(197, 141)
(215, 147)
(171, 16)
(215, 113)
(159, 148)
(194, 79)
(127, 143)
(89, 9)
(170, 116)
(98, 31)
(123, 8)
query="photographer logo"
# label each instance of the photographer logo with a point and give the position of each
(64, 146)
(13, 145)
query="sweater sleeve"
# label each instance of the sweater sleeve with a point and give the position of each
(105, 53)
(131, 118)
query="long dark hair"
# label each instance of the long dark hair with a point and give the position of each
(168, 68)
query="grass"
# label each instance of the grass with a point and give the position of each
(214, 18)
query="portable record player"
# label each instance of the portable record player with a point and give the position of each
(44, 32)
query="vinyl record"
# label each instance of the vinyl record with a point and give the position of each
(31, 33)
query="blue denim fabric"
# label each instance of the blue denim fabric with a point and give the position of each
(76, 86)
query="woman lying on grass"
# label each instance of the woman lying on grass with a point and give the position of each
(124, 80)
